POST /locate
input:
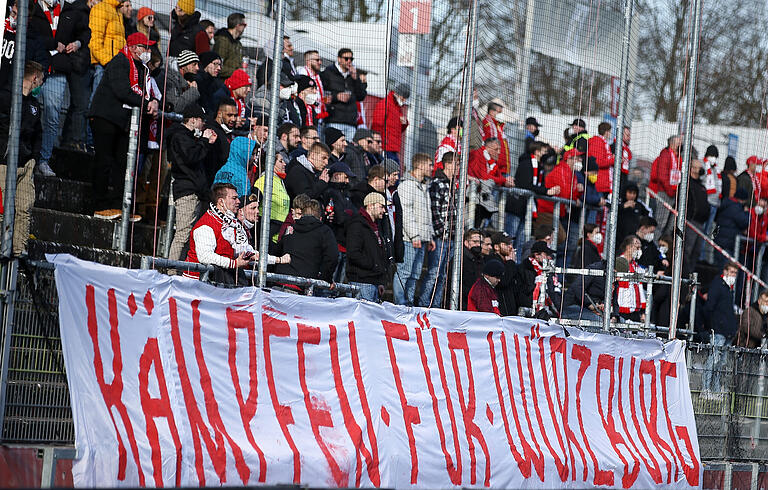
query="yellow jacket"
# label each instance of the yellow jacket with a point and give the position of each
(107, 31)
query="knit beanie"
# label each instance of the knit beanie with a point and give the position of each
(238, 79)
(188, 6)
(143, 12)
(207, 58)
(332, 135)
(187, 57)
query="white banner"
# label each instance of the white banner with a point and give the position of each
(174, 382)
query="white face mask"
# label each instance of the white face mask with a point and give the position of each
(663, 250)
(597, 238)
(759, 209)
(764, 309)
(729, 280)
(145, 57)
(294, 89)
(637, 254)
(648, 237)
(577, 166)
(285, 93)
(712, 161)
(310, 99)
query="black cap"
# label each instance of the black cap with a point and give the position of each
(501, 237)
(541, 247)
(304, 83)
(493, 268)
(532, 120)
(340, 167)
(332, 135)
(194, 110)
(579, 122)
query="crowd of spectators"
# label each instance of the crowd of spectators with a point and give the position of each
(344, 207)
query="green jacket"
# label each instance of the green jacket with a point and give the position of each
(281, 204)
(230, 50)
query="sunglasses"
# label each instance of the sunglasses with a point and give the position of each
(348, 58)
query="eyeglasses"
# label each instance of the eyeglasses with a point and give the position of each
(348, 58)
(377, 141)
(216, 63)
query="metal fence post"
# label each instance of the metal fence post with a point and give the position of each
(468, 83)
(12, 162)
(677, 264)
(694, 293)
(528, 218)
(170, 222)
(9, 277)
(649, 299)
(556, 225)
(471, 204)
(130, 177)
(269, 170)
(502, 215)
(610, 238)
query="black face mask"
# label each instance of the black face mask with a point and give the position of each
(535, 133)
(189, 76)
(701, 172)
(339, 185)
(476, 250)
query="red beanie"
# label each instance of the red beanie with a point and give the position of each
(238, 79)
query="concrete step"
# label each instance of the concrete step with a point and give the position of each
(71, 196)
(86, 231)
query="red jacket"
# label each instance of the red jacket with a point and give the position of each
(565, 177)
(483, 167)
(666, 172)
(392, 129)
(494, 129)
(223, 247)
(449, 143)
(597, 147)
(482, 297)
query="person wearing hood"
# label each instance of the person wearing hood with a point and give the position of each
(211, 88)
(62, 29)
(245, 157)
(418, 231)
(180, 85)
(337, 142)
(312, 246)
(310, 176)
(185, 26)
(339, 210)
(732, 219)
(720, 312)
(389, 119)
(239, 85)
(752, 323)
(281, 203)
(187, 149)
(631, 211)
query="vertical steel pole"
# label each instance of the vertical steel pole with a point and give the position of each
(677, 264)
(414, 115)
(649, 299)
(556, 225)
(269, 170)
(528, 220)
(521, 104)
(468, 84)
(501, 213)
(12, 163)
(692, 309)
(130, 177)
(610, 242)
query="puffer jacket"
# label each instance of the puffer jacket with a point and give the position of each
(417, 209)
(107, 32)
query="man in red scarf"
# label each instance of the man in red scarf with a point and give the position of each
(493, 128)
(123, 87)
(666, 175)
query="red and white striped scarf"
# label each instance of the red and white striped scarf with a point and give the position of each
(52, 16)
(630, 295)
(134, 75)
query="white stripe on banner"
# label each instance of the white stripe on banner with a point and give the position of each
(176, 382)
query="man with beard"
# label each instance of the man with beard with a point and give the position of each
(472, 262)
(288, 140)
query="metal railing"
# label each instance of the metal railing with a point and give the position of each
(751, 291)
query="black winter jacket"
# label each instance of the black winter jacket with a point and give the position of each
(698, 204)
(313, 250)
(394, 245)
(732, 220)
(343, 210)
(301, 180)
(212, 91)
(114, 92)
(366, 258)
(73, 26)
(508, 289)
(183, 36)
(334, 83)
(188, 157)
(524, 180)
(719, 308)
(31, 135)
